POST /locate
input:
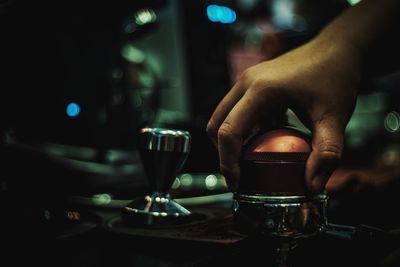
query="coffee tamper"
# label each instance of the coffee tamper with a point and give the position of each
(272, 198)
(163, 153)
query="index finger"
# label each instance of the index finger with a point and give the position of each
(222, 110)
(234, 129)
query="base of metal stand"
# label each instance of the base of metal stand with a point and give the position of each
(156, 210)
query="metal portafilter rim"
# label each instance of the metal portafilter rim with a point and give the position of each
(280, 215)
(279, 198)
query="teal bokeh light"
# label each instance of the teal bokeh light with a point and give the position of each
(73, 110)
(222, 14)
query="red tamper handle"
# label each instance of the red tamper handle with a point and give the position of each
(274, 163)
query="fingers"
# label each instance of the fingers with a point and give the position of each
(327, 146)
(222, 110)
(229, 147)
(234, 129)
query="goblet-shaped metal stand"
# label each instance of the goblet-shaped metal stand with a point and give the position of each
(163, 153)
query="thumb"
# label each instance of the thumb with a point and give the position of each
(327, 144)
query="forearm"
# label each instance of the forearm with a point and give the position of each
(365, 25)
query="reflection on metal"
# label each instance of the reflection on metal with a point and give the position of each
(163, 152)
(73, 110)
(286, 218)
(392, 122)
(221, 14)
(155, 210)
(165, 140)
(145, 16)
(281, 216)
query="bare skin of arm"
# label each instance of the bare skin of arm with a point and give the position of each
(318, 80)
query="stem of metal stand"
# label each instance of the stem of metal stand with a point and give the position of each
(283, 254)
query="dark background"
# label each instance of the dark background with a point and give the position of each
(170, 72)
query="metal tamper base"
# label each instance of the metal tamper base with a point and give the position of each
(163, 152)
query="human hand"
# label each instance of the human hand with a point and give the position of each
(318, 81)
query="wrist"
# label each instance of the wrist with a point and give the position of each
(364, 26)
(346, 50)
(339, 58)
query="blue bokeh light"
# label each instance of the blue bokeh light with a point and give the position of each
(222, 14)
(73, 110)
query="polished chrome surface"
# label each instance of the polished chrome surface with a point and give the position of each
(155, 210)
(161, 139)
(279, 198)
(163, 153)
(281, 216)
